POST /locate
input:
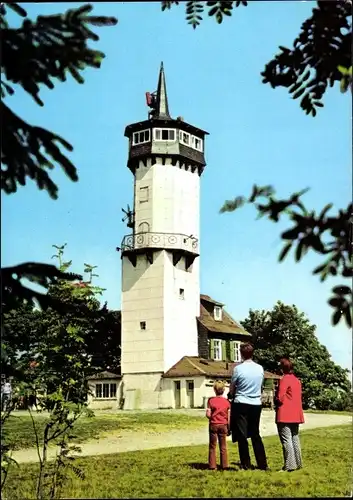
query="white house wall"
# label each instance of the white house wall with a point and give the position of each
(104, 403)
(203, 390)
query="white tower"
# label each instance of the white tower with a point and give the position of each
(160, 265)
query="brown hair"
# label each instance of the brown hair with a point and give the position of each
(286, 365)
(218, 387)
(246, 350)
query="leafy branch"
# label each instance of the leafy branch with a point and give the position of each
(166, 4)
(194, 9)
(40, 53)
(6, 449)
(14, 292)
(330, 236)
(303, 69)
(27, 151)
(320, 50)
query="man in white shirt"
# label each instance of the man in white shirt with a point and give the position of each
(245, 389)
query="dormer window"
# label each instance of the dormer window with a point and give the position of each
(164, 134)
(217, 313)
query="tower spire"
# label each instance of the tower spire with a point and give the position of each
(162, 110)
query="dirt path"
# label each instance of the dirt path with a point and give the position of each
(129, 441)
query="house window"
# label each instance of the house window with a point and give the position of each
(184, 138)
(181, 293)
(217, 350)
(140, 137)
(235, 351)
(218, 313)
(144, 194)
(164, 134)
(142, 325)
(106, 391)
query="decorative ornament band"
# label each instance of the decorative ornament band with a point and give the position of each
(160, 240)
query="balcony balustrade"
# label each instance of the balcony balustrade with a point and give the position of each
(167, 241)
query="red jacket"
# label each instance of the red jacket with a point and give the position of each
(289, 398)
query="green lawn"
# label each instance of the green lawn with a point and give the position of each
(180, 472)
(330, 412)
(18, 430)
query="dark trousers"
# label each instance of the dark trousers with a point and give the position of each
(218, 432)
(247, 424)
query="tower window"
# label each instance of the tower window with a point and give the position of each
(141, 137)
(144, 227)
(190, 140)
(181, 293)
(144, 194)
(142, 325)
(184, 138)
(164, 134)
(198, 143)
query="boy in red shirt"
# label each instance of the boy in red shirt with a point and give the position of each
(218, 413)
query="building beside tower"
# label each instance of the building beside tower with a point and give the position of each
(174, 341)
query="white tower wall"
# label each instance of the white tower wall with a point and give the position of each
(173, 198)
(164, 296)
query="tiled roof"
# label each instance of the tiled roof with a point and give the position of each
(226, 325)
(103, 375)
(207, 298)
(194, 366)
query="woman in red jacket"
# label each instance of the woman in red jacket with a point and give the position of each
(289, 414)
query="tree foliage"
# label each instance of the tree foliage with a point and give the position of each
(321, 55)
(285, 331)
(40, 52)
(312, 65)
(51, 354)
(320, 51)
(28, 332)
(328, 235)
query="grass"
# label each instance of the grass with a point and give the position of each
(181, 472)
(330, 412)
(18, 430)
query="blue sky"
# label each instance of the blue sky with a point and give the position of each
(257, 135)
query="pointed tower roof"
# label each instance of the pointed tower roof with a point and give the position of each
(162, 110)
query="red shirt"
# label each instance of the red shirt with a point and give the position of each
(290, 395)
(219, 407)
